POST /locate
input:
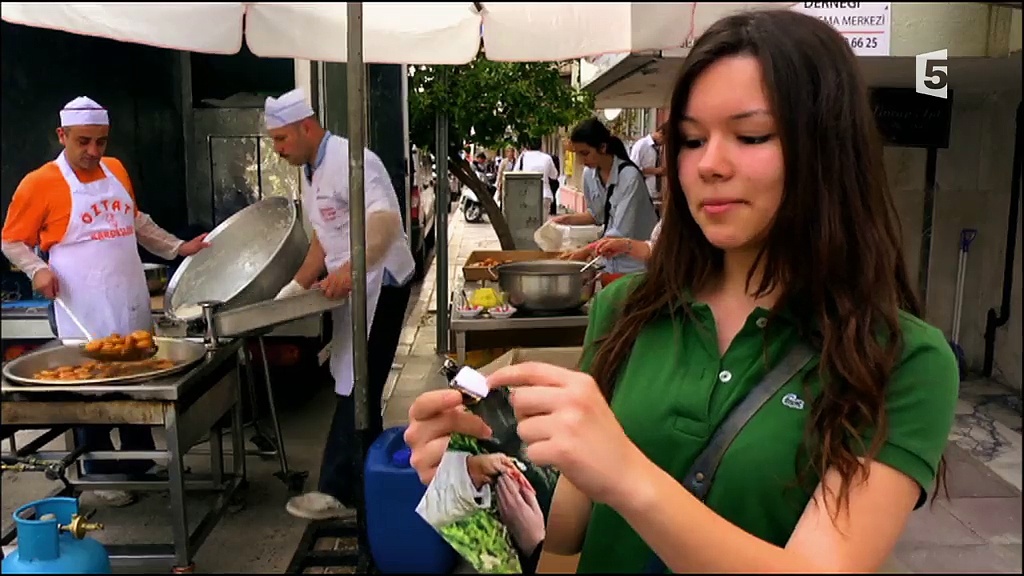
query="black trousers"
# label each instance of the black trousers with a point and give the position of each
(338, 469)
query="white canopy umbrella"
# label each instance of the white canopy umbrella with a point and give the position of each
(393, 32)
(208, 27)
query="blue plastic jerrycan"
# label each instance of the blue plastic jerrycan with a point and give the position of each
(52, 540)
(401, 541)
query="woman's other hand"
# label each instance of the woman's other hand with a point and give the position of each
(433, 417)
(581, 255)
(609, 247)
(566, 423)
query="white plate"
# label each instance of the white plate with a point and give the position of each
(507, 313)
(471, 312)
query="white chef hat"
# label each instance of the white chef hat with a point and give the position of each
(84, 111)
(288, 109)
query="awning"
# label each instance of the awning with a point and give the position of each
(645, 79)
(394, 32)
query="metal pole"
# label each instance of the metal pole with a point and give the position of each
(357, 206)
(441, 234)
(357, 240)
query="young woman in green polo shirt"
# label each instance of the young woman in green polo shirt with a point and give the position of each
(779, 233)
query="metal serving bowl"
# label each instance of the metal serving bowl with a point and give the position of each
(546, 286)
(252, 255)
(22, 370)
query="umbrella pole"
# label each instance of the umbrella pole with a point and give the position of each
(441, 197)
(357, 206)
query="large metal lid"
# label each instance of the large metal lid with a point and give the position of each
(241, 249)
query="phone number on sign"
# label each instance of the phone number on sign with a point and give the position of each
(862, 42)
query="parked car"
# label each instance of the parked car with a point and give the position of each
(421, 208)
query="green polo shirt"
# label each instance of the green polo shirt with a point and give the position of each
(676, 388)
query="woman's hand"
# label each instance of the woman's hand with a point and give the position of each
(609, 247)
(433, 417)
(566, 423)
(521, 514)
(581, 255)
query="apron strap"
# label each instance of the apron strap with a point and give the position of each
(701, 476)
(608, 196)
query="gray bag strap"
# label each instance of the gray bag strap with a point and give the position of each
(701, 476)
(702, 473)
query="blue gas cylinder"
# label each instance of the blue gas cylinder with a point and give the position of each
(53, 541)
(400, 540)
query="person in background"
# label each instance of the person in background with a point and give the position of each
(646, 154)
(555, 184)
(593, 198)
(778, 292)
(480, 162)
(302, 141)
(627, 210)
(81, 209)
(531, 159)
(505, 165)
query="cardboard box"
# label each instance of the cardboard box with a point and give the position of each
(475, 273)
(566, 357)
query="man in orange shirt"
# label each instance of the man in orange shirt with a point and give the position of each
(80, 208)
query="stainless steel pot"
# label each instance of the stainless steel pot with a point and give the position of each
(252, 255)
(156, 277)
(546, 286)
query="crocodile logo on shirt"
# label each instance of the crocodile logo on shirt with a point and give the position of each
(793, 401)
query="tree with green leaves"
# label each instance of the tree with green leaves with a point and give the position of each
(493, 105)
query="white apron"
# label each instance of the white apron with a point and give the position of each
(99, 272)
(329, 216)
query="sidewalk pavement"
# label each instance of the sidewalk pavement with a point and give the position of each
(976, 529)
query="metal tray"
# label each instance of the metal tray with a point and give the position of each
(262, 317)
(184, 353)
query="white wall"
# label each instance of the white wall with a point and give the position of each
(973, 191)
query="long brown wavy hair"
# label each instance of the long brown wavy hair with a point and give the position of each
(833, 253)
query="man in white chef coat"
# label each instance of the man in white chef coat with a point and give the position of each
(533, 159)
(299, 139)
(646, 154)
(80, 208)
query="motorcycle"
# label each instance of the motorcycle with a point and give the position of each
(472, 209)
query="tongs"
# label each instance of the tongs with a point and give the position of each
(74, 318)
(125, 354)
(590, 263)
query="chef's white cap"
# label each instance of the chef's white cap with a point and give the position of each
(84, 111)
(288, 109)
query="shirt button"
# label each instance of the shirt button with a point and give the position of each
(761, 322)
(725, 376)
